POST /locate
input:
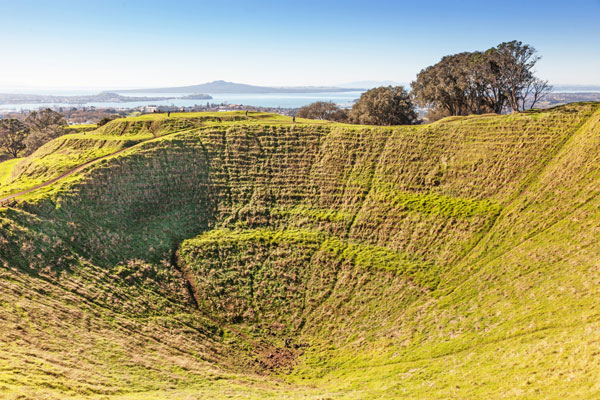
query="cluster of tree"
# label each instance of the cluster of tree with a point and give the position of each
(380, 106)
(493, 81)
(496, 80)
(24, 137)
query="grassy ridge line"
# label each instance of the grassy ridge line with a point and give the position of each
(496, 210)
(71, 150)
(33, 170)
(553, 154)
(6, 199)
(59, 156)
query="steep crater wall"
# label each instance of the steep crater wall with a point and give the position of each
(348, 246)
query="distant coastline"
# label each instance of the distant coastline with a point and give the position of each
(107, 97)
(224, 87)
(223, 92)
(186, 100)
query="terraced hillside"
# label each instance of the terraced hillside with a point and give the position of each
(219, 256)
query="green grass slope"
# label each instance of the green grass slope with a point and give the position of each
(223, 256)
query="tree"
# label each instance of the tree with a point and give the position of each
(12, 136)
(515, 62)
(459, 84)
(474, 83)
(44, 126)
(384, 106)
(441, 86)
(323, 110)
(537, 90)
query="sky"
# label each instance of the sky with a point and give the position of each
(134, 44)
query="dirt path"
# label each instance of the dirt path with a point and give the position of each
(6, 199)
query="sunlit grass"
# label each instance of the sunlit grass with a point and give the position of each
(225, 257)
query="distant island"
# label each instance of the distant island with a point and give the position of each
(221, 87)
(104, 97)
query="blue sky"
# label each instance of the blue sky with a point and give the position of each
(113, 44)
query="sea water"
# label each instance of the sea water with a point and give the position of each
(284, 100)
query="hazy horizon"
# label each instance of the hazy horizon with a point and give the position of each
(158, 85)
(94, 90)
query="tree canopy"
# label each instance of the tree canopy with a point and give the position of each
(24, 137)
(478, 82)
(385, 105)
(44, 126)
(12, 136)
(325, 110)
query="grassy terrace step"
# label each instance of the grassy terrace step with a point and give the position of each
(222, 278)
(220, 255)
